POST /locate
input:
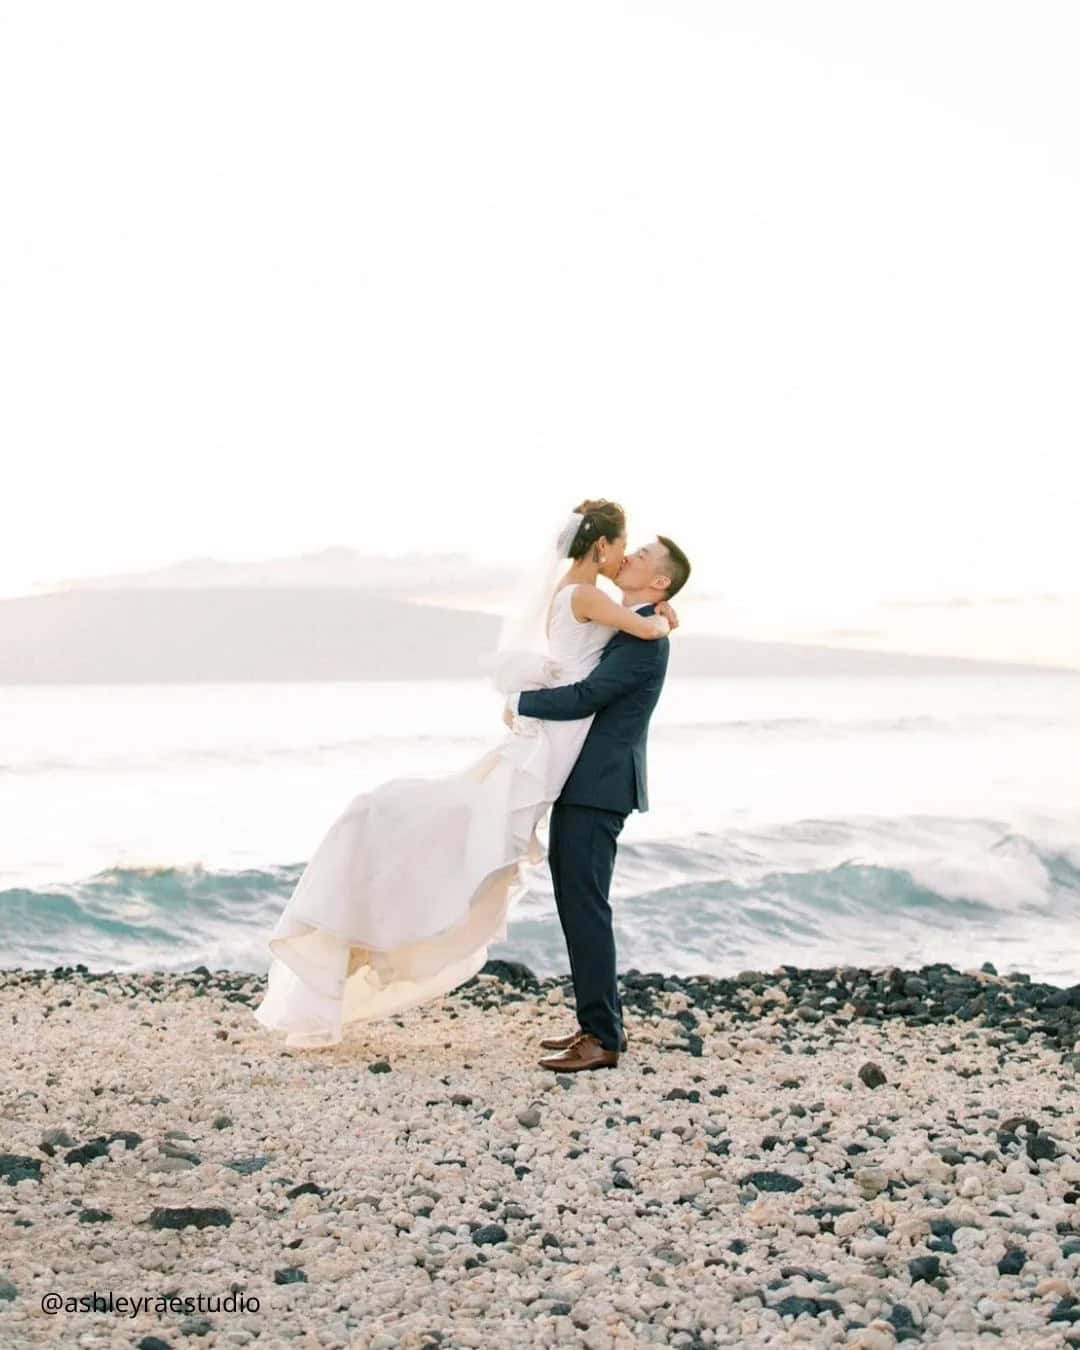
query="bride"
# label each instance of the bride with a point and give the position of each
(415, 879)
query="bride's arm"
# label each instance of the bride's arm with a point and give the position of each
(589, 602)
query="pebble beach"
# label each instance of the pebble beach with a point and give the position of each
(834, 1157)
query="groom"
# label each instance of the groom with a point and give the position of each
(605, 785)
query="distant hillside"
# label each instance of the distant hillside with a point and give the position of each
(190, 635)
(405, 577)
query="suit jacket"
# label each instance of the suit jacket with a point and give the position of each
(622, 691)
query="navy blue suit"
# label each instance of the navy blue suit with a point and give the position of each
(607, 783)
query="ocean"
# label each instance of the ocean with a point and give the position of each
(811, 822)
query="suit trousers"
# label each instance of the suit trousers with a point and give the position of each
(582, 841)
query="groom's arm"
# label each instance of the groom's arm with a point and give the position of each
(624, 666)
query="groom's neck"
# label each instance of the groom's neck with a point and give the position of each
(649, 596)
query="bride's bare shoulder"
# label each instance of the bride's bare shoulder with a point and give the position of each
(584, 598)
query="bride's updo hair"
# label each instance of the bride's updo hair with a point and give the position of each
(602, 520)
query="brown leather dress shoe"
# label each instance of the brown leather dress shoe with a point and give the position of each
(585, 1053)
(565, 1042)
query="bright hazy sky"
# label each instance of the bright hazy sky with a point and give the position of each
(798, 284)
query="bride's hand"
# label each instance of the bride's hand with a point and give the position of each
(666, 612)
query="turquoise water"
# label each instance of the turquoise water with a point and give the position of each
(803, 821)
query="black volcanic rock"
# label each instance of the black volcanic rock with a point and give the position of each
(15, 1167)
(188, 1217)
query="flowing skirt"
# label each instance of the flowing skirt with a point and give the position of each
(410, 885)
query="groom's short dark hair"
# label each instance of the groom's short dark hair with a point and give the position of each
(678, 568)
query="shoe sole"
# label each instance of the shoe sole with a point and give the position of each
(580, 1068)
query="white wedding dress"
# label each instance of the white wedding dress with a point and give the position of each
(415, 879)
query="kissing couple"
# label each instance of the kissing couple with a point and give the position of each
(415, 879)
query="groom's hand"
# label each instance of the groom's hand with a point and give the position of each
(665, 609)
(508, 716)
